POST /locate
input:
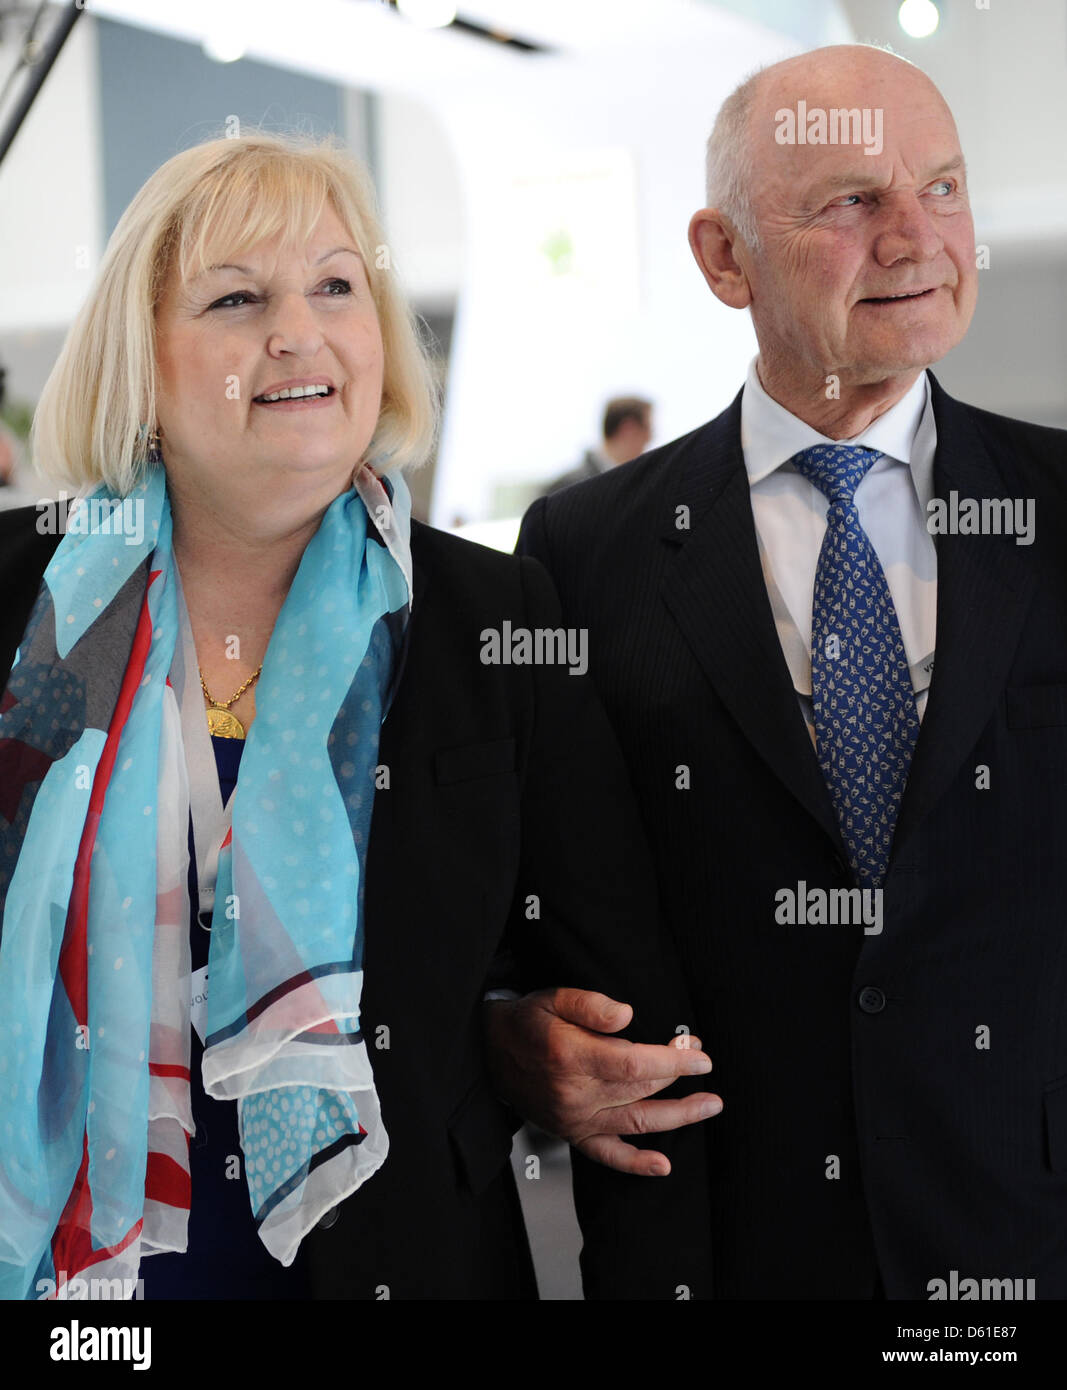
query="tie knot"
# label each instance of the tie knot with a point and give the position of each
(836, 469)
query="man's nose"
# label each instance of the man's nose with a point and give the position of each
(906, 231)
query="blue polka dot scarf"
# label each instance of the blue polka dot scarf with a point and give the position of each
(95, 1112)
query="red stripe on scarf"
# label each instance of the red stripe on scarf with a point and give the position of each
(167, 1181)
(168, 1069)
(73, 958)
(72, 1243)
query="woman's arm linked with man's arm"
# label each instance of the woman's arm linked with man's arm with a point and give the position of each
(604, 1022)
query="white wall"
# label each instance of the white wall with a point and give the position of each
(533, 358)
(419, 189)
(51, 195)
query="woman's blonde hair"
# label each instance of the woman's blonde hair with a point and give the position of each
(204, 206)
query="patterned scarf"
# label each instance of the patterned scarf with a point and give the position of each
(95, 1111)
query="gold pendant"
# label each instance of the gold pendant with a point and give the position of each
(223, 724)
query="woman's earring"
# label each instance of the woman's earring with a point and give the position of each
(154, 445)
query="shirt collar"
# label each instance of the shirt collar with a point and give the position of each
(771, 435)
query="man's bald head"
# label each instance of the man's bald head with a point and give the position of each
(731, 172)
(824, 230)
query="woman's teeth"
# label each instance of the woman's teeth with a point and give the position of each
(295, 393)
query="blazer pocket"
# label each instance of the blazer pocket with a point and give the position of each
(1056, 1125)
(1036, 706)
(473, 760)
(480, 1132)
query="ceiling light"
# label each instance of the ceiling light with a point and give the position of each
(428, 14)
(918, 18)
(224, 42)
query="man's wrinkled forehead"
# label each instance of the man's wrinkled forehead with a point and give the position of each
(846, 76)
(834, 130)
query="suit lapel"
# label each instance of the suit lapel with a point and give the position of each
(716, 592)
(419, 572)
(984, 587)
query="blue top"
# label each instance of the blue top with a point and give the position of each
(225, 1258)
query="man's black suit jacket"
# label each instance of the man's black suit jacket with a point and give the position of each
(506, 786)
(924, 1129)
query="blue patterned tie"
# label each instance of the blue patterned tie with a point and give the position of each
(866, 720)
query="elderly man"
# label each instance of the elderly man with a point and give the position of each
(858, 849)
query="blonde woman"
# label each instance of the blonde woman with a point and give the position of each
(243, 1029)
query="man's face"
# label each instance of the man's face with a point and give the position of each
(843, 231)
(631, 439)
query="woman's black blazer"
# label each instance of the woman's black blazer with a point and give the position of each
(508, 834)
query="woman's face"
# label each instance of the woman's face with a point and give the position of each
(235, 333)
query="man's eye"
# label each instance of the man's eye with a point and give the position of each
(843, 200)
(946, 184)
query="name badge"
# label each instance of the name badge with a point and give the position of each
(922, 673)
(198, 1003)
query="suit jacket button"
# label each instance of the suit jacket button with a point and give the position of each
(871, 1000)
(330, 1219)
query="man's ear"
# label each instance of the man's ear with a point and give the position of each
(712, 241)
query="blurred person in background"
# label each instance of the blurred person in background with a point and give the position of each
(267, 813)
(626, 433)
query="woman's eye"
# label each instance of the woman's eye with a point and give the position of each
(345, 289)
(237, 294)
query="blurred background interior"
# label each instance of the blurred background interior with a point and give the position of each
(537, 162)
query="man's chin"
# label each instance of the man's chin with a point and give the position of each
(920, 338)
(875, 361)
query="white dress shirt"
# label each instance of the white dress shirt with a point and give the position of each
(790, 518)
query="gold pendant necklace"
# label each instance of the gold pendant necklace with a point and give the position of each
(220, 721)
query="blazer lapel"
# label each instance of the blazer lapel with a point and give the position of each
(984, 588)
(419, 581)
(716, 593)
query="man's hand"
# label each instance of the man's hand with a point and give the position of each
(551, 1060)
